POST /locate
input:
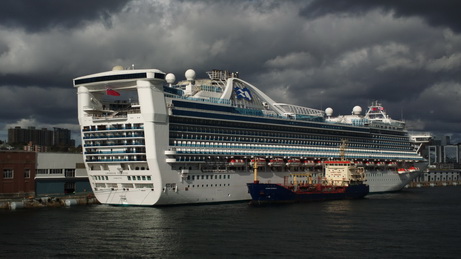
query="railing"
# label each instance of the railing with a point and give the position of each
(105, 137)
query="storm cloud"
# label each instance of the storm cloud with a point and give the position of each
(313, 53)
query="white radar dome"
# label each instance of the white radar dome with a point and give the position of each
(190, 74)
(117, 68)
(357, 110)
(170, 78)
(329, 111)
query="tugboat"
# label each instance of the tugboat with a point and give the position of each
(342, 180)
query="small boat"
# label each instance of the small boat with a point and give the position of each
(309, 163)
(392, 164)
(413, 169)
(370, 164)
(293, 162)
(276, 162)
(343, 180)
(258, 161)
(381, 164)
(402, 170)
(236, 162)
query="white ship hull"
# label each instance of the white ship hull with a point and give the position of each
(232, 189)
(153, 144)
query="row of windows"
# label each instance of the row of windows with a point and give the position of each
(55, 171)
(113, 127)
(178, 139)
(115, 151)
(233, 134)
(125, 186)
(207, 185)
(139, 178)
(9, 173)
(114, 158)
(114, 135)
(130, 178)
(99, 143)
(207, 177)
(291, 126)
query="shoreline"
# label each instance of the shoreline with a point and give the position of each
(48, 201)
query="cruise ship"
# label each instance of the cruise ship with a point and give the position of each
(149, 139)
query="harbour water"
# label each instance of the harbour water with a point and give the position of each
(414, 223)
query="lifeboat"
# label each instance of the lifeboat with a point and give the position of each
(392, 164)
(381, 164)
(413, 169)
(260, 161)
(309, 163)
(236, 162)
(319, 163)
(294, 162)
(276, 162)
(401, 170)
(359, 163)
(370, 164)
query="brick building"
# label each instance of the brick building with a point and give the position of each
(17, 173)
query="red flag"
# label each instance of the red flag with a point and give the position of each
(112, 92)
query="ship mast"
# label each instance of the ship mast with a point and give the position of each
(255, 170)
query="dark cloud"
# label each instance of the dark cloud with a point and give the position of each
(40, 15)
(398, 52)
(436, 13)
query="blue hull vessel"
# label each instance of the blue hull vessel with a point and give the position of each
(276, 193)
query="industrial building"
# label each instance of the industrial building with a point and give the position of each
(28, 174)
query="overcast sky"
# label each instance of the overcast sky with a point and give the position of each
(319, 54)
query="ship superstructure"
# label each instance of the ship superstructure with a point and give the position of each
(150, 141)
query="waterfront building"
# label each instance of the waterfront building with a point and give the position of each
(61, 174)
(444, 163)
(17, 172)
(28, 174)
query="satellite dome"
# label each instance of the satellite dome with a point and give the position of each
(190, 74)
(170, 78)
(329, 111)
(357, 110)
(117, 68)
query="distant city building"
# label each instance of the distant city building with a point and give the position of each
(40, 137)
(62, 137)
(450, 154)
(35, 148)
